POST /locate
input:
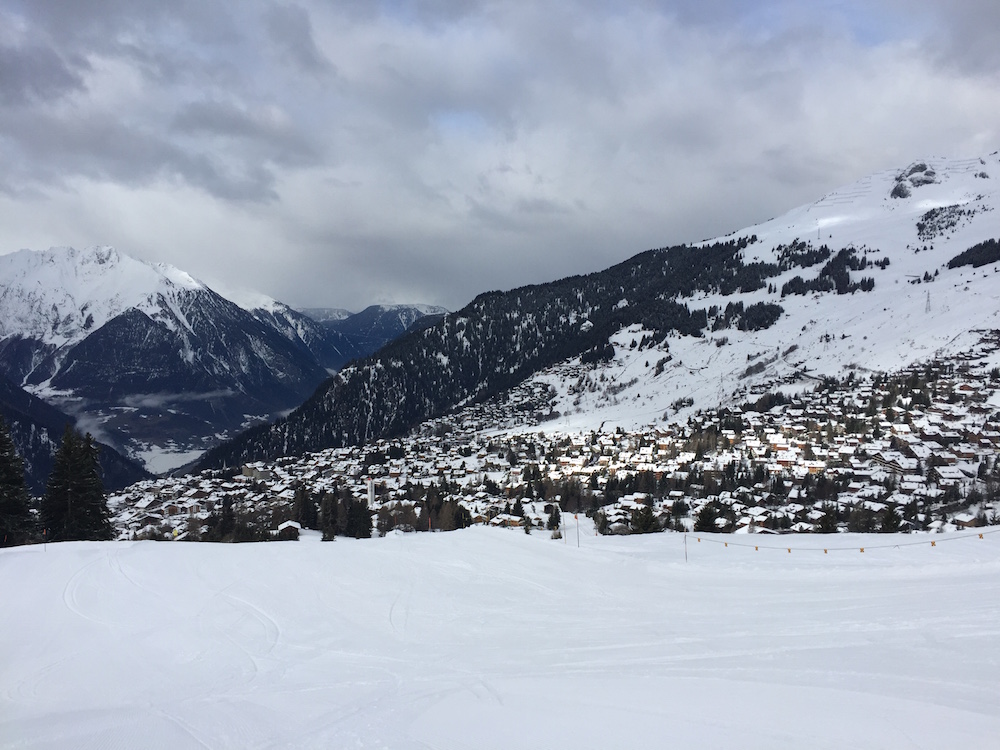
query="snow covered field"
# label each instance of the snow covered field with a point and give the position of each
(489, 638)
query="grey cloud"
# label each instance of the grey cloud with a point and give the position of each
(103, 148)
(430, 150)
(161, 400)
(165, 68)
(37, 74)
(100, 22)
(290, 30)
(273, 139)
(191, 41)
(218, 117)
(965, 33)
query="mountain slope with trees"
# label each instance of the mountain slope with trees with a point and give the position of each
(503, 337)
(377, 325)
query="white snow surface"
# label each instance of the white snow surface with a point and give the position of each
(896, 324)
(59, 296)
(488, 638)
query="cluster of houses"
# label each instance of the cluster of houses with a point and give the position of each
(921, 444)
(926, 454)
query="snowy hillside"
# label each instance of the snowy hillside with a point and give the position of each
(917, 310)
(489, 638)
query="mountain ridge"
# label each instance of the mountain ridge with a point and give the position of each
(145, 352)
(377, 325)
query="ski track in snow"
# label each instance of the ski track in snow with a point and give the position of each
(491, 638)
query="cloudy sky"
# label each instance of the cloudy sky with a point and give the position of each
(343, 153)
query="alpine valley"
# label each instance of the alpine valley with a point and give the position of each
(150, 360)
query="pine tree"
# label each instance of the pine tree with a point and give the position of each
(327, 516)
(828, 523)
(890, 521)
(304, 509)
(16, 522)
(359, 519)
(555, 518)
(74, 506)
(861, 520)
(644, 521)
(705, 520)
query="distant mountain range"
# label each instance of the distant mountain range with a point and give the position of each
(870, 276)
(375, 326)
(325, 314)
(154, 361)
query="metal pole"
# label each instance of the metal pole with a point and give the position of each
(577, 517)
(685, 548)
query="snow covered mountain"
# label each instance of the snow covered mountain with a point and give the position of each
(330, 347)
(145, 353)
(333, 335)
(868, 277)
(53, 300)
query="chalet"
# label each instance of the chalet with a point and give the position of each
(964, 452)
(895, 462)
(506, 520)
(967, 520)
(948, 475)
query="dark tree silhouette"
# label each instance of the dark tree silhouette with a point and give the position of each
(16, 522)
(74, 506)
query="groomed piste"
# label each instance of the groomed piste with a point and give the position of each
(489, 638)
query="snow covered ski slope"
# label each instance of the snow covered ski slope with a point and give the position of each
(488, 638)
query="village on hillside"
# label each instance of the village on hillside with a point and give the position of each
(912, 451)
